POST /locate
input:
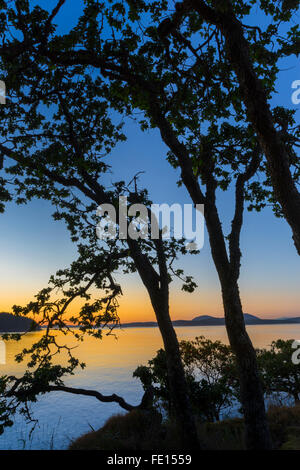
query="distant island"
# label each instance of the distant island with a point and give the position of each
(207, 320)
(12, 324)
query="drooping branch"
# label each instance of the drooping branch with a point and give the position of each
(93, 393)
(146, 401)
(54, 13)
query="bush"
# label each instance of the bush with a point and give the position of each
(210, 373)
(136, 430)
(212, 378)
(279, 373)
(284, 424)
(139, 430)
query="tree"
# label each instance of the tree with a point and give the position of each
(59, 156)
(255, 92)
(214, 363)
(190, 93)
(280, 374)
(210, 372)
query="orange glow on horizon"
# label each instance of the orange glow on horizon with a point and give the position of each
(135, 305)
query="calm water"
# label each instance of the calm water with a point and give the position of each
(110, 364)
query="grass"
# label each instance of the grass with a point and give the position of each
(138, 430)
(135, 431)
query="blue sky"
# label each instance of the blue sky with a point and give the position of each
(33, 246)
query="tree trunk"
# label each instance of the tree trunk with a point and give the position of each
(178, 387)
(251, 392)
(257, 430)
(157, 287)
(259, 114)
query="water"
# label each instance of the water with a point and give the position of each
(110, 364)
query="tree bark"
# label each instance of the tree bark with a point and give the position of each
(178, 387)
(252, 397)
(259, 114)
(251, 392)
(158, 290)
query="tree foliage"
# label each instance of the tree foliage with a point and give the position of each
(280, 374)
(211, 375)
(211, 372)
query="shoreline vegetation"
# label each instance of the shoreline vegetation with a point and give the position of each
(138, 430)
(212, 376)
(210, 371)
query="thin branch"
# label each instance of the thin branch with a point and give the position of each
(237, 221)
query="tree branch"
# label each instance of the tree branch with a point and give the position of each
(237, 221)
(93, 393)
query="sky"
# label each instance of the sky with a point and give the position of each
(33, 246)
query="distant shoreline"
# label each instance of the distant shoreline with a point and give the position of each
(207, 320)
(220, 322)
(204, 320)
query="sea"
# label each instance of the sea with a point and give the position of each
(110, 363)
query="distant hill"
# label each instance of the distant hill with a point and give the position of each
(249, 320)
(290, 319)
(11, 324)
(208, 320)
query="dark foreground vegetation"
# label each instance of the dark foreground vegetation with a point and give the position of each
(138, 430)
(211, 372)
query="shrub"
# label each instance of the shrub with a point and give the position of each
(210, 373)
(136, 430)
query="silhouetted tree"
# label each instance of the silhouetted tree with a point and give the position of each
(210, 372)
(60, 158)
(202, 78)
(280, 374)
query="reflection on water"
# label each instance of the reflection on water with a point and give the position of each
(109, 366)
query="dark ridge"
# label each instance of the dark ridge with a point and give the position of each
(208, 320)
(12, 324)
